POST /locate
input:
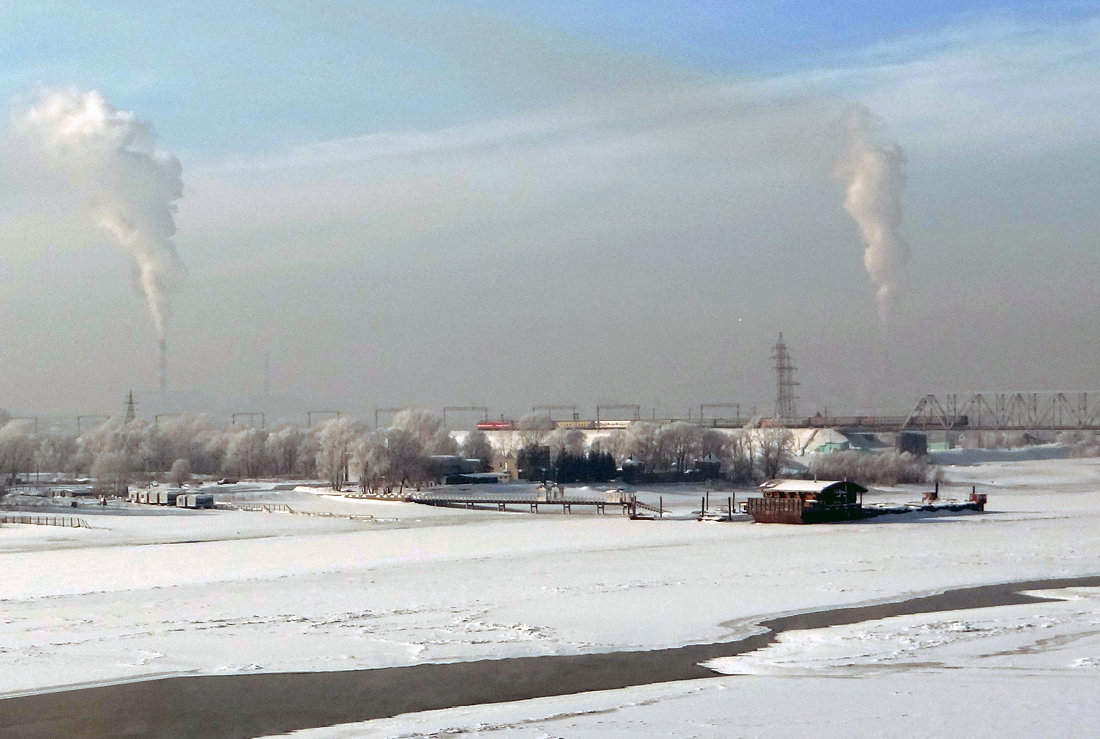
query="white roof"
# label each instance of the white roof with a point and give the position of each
(798, 486)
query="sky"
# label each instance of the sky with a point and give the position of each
(517, 203)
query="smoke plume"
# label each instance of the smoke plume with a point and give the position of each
(872, 174)
(111, 160)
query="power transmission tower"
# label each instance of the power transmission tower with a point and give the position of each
(130, 414)
(785, 384)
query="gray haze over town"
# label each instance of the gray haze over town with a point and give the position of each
(603, 226)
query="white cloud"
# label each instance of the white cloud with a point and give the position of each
(1022, 86)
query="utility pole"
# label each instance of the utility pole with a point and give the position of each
(571, 407)
(377, 411)
(311, 414)
(475, 408)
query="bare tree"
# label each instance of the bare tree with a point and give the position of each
(678, 443)
(476, 446)
(776, 447)
(443, 443)
(408, 459)
(741, 456)
(714, 444)
(616, 443)
(565, 441)
(112, 471)
(180, 472)
(17, 448)
(642, 436)
(533, 428)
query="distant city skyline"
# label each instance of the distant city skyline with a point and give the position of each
(519, 203)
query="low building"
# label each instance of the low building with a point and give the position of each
(807, 501)
(914, 442)
(445, 467)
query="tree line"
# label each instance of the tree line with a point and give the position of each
(115, 453)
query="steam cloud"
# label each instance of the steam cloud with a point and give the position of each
(111, 159)
(874, 179)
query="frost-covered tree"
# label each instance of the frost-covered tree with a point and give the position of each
(113, 470)
(55, 452)
(336, 438)
(428, 430)
(391, 458)
(420, 422)
(120, 448)
(246, 452)
(284, 447)
(194, 437)
(1080, 443)
(888, 467)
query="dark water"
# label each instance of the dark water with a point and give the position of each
(256, 704)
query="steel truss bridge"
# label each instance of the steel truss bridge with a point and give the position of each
(1011, 411)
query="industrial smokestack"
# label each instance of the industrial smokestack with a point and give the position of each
(129, 185)
(872, 174)
(163, 376)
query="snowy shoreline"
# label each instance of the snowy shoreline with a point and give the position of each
(241, 594)
(232, 705)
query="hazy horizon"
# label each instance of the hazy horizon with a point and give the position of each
(505, 204)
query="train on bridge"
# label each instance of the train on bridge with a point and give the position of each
(603, 424)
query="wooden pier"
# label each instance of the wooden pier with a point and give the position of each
(628, 505)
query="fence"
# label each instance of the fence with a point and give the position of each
(257, 507)
(284, 508)
(40, 520)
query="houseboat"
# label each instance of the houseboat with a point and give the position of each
(807, 501)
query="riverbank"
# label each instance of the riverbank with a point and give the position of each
(253, 705)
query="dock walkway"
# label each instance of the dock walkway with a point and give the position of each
(628, 505)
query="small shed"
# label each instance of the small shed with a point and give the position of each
(807, 501)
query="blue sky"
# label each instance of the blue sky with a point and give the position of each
(247, 76)
(367, 185)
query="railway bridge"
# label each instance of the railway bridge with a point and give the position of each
(1007, 411)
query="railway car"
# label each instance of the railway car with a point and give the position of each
(505, 424)
(574, 424)
(604, 424)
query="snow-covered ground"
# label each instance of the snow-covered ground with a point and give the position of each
(155, 592)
